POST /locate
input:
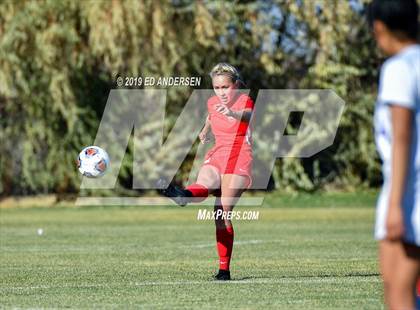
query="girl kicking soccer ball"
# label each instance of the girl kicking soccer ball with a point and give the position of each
(226, 170)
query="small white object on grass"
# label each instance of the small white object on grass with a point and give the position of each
(40, 231)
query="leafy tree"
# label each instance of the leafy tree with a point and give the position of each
(59, 59)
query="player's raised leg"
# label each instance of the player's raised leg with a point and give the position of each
(208, 181)
(231, 190)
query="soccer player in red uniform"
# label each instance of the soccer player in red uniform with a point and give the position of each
(226, 170)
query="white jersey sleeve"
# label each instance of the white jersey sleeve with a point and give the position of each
(397, 84)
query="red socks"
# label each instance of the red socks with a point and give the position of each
(198, 191)
(224, 236)
(224, 239)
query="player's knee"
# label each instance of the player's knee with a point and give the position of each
(208, 181)
(386, 278)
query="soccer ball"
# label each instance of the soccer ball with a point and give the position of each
(93, 162)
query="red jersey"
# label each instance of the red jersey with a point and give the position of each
(229, 131)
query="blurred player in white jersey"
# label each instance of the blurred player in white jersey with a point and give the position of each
(397, 134)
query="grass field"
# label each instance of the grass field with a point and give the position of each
(305, 252)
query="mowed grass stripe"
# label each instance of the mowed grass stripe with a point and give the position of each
(307, 280)
(163, 257)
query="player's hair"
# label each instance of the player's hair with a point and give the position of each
(400, 16)
(223, 68)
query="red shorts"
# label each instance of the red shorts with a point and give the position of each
(231, 160)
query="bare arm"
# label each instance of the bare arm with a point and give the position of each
(207, 124)
(401, 141)
(243, 115)
(204, 131)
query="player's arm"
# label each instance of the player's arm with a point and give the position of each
(401, 141)
(242, 115)
(207, 124)
(205, 130)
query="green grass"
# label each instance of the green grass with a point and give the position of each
(305, 252)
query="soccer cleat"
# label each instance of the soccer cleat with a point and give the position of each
(222, 275)
(177, 194)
